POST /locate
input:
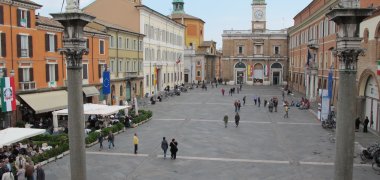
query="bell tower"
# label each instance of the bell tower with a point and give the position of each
(259, 15)
(178, 7)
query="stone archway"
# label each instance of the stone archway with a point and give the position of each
(369, 92)
(277, 73)
(240, 73)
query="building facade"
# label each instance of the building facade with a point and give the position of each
(200, 55)
(126, 58)
(257, 56)
(312, 40)
(163, 51)
(311, 50)
(30, 52)
(368, 77)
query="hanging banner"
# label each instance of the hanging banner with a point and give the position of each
(8, 96)
(106, 82)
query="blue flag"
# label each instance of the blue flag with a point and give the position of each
(106, 82)
(330, 82)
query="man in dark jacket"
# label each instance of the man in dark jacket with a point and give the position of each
(237, 119)
(366, 122)
(357, 124)
(40, 173)
(174, 149)
(164, 146)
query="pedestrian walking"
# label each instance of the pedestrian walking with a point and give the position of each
(222, 91)
(40, 173)
(258, 101)
(174, 149)
(236, 105)
(286, 111)
(29, 171)
(265, 102)
(275, 104)
(244, 100)
(164, 146)
(100, 140)
(135, 142)
(357, 124)
(366, 122)
(255, 99)
(241, 87)
(225, 119)
(283, 95)
(239, 105)
(111, 139)
(237, 119)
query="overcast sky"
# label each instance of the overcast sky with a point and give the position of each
(219, 15)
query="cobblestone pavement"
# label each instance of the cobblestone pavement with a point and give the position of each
(264, 146)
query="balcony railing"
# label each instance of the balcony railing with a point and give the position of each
(24, 52)
(313, 44)
(27, 86)
(131, 74)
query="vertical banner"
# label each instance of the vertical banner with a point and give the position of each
(325, 104)
(106, 82)
(252, 72)
(155, 76)
(8, 96)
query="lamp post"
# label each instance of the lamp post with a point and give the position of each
(348, 16)
(74, 48)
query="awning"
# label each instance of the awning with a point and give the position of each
(95, 109)
(90, 91)
(13, 135)
(47, 101)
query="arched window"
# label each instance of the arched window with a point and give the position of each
(121, 90)
(240, 65)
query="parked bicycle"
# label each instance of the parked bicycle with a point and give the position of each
(330, 123)
(372, 153)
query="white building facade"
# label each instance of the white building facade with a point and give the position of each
(163, 51)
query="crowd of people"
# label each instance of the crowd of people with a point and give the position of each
(17, 158)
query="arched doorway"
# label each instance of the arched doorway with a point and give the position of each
(276, 69)
(258, 73)
(369, 90)
(240, 73)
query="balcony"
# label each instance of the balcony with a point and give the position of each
(131, 74)
(313, 44)
(24, 52)
(27, 86)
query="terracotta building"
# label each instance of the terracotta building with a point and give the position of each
(257, 56)
(30, 52)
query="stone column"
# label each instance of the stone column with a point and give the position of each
(307, 85)
(348, 17)
(74, 48)
(312, 87)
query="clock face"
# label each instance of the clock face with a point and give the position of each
(259, 14)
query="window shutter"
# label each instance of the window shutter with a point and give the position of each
(18, 17)
(85, 71)
(3, 45)
(47, 72)
(28, 18)
(5, 72)
(56, 72)
(88, 43)
(30, 46)
(47, 48)
(1, 15)
(55, 43)
(18, 45)
(100, 70)
(20, 79)
(31, 74)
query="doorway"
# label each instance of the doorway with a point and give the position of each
(276, 78)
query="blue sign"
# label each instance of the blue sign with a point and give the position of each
(330, 83)
(106, 82)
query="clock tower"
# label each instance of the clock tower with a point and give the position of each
(258, 15)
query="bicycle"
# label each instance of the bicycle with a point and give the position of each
(372, 153)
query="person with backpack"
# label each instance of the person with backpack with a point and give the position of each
(164, 146)
(111, 139)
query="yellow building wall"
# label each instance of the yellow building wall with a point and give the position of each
(194, 32)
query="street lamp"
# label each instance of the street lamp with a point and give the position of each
(348, 16)
(74, 47)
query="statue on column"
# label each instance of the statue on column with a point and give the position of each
(72, 5)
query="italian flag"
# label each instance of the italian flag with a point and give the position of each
(8, 94)
(378, 67)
